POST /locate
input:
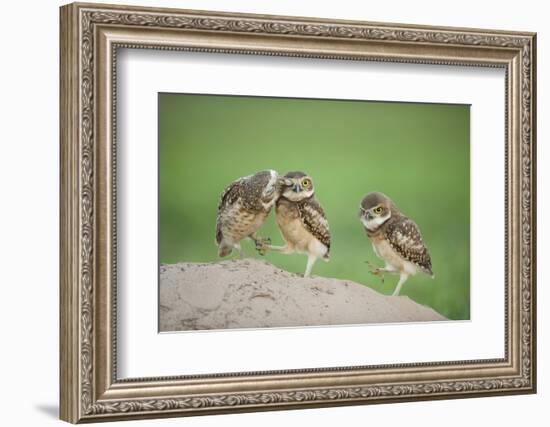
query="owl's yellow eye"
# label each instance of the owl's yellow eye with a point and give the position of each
(378, 210)
(306, 183)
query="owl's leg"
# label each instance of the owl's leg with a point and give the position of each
(282, 249)
(402, 278)
(310, 261)
(237, 246)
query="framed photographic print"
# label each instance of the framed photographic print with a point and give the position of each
(265, 212)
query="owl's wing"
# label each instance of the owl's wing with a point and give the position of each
(314, 219)
(405, 238)
(229, 196)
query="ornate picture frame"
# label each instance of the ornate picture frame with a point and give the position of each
(90, 37)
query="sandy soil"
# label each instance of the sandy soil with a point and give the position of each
(253, 293)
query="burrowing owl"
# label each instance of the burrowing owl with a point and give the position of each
(302, 221)
(244, 205)
(395, 238)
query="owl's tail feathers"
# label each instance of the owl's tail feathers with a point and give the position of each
(427, 269)
(224, 249)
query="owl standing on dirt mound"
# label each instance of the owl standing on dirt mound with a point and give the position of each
(395, 238)
(302, 221)
(244, 205)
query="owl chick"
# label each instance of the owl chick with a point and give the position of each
(302, 221)
(244, 205)
(395, 238)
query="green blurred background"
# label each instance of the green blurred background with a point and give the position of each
(418, 154)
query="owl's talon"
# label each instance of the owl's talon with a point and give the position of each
(262, 245)
(375, 271)
(372, 268)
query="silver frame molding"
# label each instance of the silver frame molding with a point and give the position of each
(90, 37)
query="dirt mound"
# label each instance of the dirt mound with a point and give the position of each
(253, 293)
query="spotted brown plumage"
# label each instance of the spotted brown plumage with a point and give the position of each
(229, 197)
(243, 207)
(314, 219)
(395, 238)
(405, 238)
(302, 221)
